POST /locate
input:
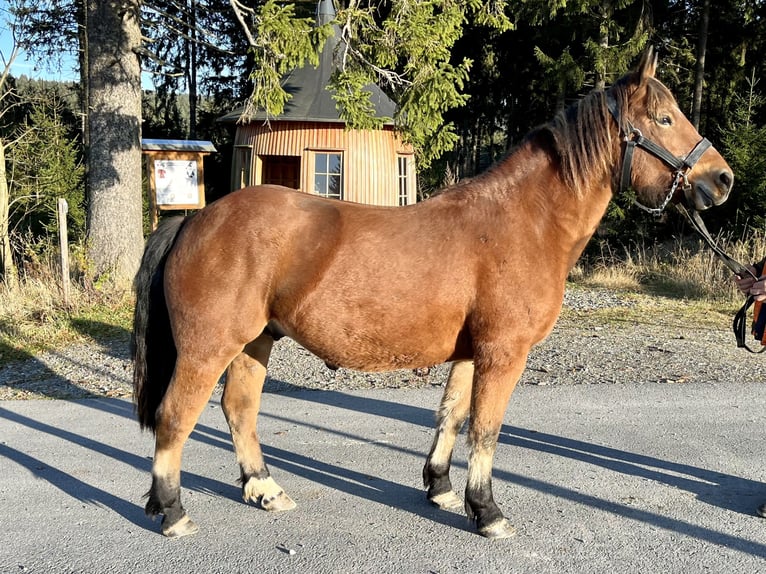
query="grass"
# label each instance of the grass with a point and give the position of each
(33, 318)
(675, 283)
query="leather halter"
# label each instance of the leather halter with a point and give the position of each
(633, 138)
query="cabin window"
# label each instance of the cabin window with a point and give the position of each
(328, 174)
(405, 179)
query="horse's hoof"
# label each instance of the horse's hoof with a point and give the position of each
(447, 501)
(183, 527)
(500, 529)
(278, 503)
(268, 494)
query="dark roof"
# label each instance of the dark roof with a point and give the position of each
(310, 99)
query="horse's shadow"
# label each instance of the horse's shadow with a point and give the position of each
(726, 491)
(723, 490)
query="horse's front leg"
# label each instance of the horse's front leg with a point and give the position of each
(450, 417)
(496, 376)
(241, 403)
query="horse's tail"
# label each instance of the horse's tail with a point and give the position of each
(152, 345)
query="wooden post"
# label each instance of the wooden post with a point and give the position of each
(153, 216)
(63, 208)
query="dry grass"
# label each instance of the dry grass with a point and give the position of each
(33, 317)
(682, 269)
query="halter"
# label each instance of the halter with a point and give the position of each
(634, 138)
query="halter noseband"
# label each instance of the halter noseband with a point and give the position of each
(634, 138)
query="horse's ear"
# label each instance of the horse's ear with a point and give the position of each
(648, 65)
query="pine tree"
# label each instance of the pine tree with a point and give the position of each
(45, 167)
(611, 34)
(744, 146)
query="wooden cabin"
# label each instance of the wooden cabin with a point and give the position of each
(308, 146)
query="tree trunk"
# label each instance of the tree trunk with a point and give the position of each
(7, 269)
(606, 12)
(699, 72)
(115, 225)
(193, 70)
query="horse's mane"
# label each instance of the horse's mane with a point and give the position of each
(583, 135)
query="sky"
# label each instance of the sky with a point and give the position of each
(23, 65)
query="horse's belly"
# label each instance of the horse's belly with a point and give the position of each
(377, 346)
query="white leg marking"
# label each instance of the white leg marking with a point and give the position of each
(267, 493)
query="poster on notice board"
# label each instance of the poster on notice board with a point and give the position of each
(176, 182)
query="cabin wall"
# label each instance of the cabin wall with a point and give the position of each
(370, 157)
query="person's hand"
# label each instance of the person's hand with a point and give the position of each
(745, 282)
(748, 285)
(758, 290)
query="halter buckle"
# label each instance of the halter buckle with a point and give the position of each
(634, 134)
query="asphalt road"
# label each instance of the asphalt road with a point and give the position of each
(654, 478)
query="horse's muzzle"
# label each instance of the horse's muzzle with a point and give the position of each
(709, 191)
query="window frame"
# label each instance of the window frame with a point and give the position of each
(404, 179)
(327, 174)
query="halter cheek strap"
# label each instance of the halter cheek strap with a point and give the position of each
(634, 138)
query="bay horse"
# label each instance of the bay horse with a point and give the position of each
(474, 275)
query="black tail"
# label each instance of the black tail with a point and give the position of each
(152, 345)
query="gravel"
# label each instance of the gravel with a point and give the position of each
(608, 353)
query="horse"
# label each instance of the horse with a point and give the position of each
(474, 275)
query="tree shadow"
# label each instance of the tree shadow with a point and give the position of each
(113, 339)
(81, 490)
(76, 488)
(25, 373)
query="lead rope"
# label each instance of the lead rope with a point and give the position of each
(739, 325)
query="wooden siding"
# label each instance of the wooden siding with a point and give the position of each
(369, 156)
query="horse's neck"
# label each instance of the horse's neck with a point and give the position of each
(532, 192)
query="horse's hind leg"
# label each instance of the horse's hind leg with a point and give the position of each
(452, 413)
(241, 402)
(192, 384)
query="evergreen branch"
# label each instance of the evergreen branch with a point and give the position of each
(239, 11)
(388, 76)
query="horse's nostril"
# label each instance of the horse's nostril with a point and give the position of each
(726, 178)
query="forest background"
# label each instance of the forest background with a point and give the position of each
(471, 78)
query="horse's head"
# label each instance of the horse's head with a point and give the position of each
(670, 160)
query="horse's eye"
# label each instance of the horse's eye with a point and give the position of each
(665, 121)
